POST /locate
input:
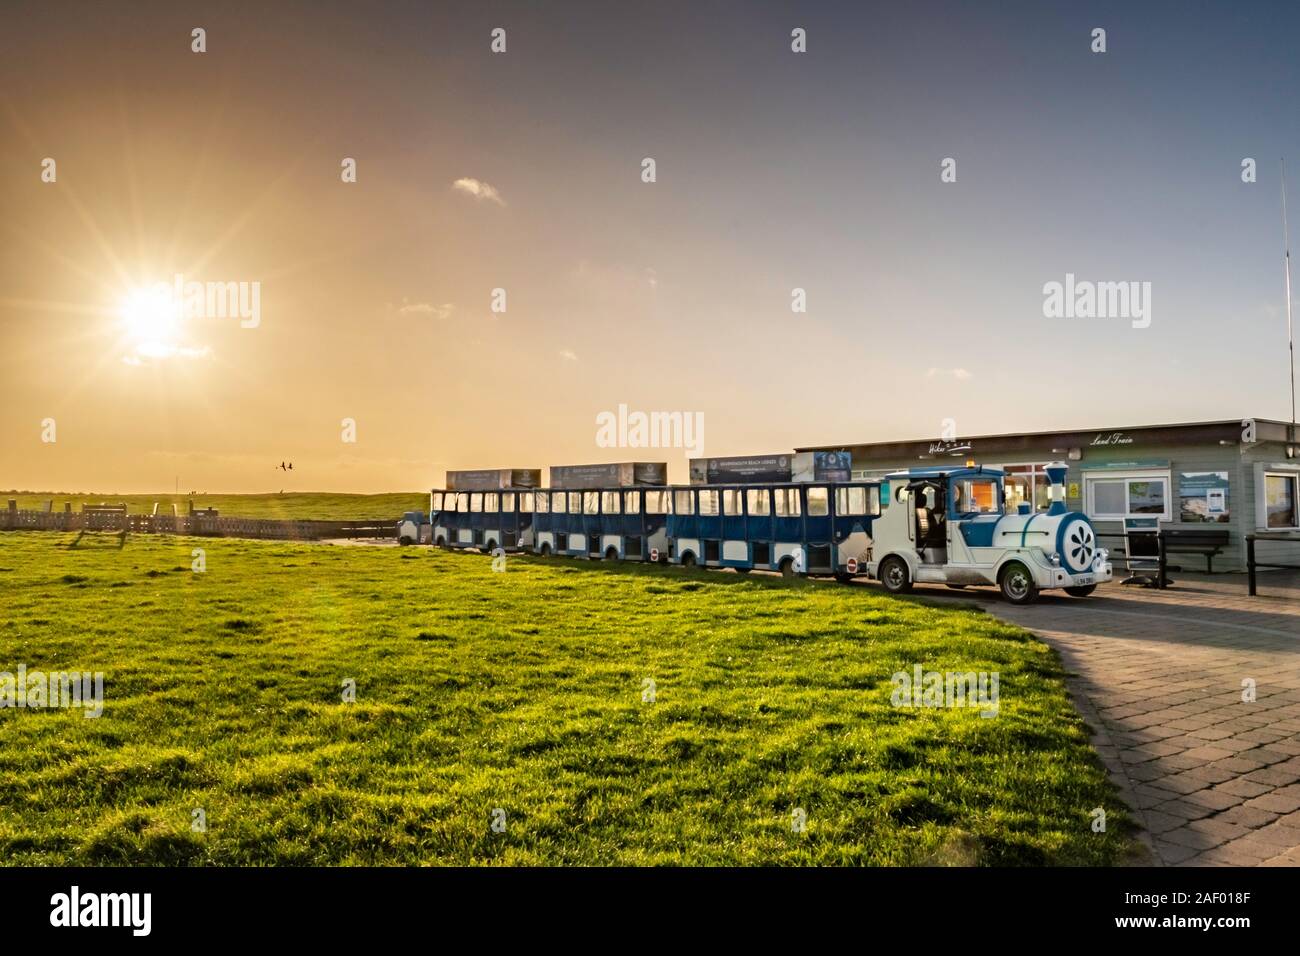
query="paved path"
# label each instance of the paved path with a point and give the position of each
(1160, 675)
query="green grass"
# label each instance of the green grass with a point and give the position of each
(325, 506)
(519, 690)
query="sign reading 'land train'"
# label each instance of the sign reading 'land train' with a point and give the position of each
(492, 479)
(619, 475)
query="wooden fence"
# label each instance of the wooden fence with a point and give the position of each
(14, 519)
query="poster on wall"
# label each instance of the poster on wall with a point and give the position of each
(1203, 496)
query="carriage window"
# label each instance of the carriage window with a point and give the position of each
(557, 503)
(508, 501)
(436, 504)
(633, 502)
(819, 504)
(850, 501)
(759, 502)
(575, 502)
(491, 502)
(609, 503)
(787, 502)
(476, 502)
(591, 502)
(708, 503)
(526, 503)
(682, 503)
(732, 502)
(462, 502)
(972, 496)
(873, 500)
(656, 502)
(543, 502)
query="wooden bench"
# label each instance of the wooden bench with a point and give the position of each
(1206, 541)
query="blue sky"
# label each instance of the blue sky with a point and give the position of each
(775, 170)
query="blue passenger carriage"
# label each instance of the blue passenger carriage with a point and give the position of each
(616, 512)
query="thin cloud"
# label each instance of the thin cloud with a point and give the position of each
(958, 374)
(568, 355)
(426, 308)
(478, 189)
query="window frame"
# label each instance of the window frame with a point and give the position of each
(1091, 478)
(1294, 478)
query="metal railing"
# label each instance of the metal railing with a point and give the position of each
(1252, 563)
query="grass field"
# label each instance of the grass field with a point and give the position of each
(520, 690)
(325, 506)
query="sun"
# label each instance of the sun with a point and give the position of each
(150, 317)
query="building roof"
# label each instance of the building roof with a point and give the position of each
(1228, 430)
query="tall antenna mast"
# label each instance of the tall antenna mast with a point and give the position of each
(1290, 336)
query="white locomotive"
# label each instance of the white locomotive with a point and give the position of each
(947, 526)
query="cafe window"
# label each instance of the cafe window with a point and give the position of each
(543, 502)
(682, 503)
(508, 501)
(819, 504)
(632, 502)
(758, 502)
(558, 503)
(656, 502)
(709, 503)
(476, 502)
(1281, 491)
(732, 502)
(435, 501)
(462, 502)
(1134, 495)
(491, 502)
(609, 503)
(526, 503)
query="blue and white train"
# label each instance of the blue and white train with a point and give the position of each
(921, 526)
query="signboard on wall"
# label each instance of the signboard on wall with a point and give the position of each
(491, 479)
(1203, 496)
(742, 469)
(618, 475)
(823, 466)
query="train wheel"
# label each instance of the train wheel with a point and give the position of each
(688, 560)
(1082, 590)
(546, 551)
(787, 568)
(1017, 584)
(843, 578)
(611, 554)
(895, 576)
(742, 570)
(957, 587)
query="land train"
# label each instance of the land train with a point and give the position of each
(924, 525)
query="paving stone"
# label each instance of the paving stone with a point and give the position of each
(1274, 803)
(1157, 674)
(1245, 816)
